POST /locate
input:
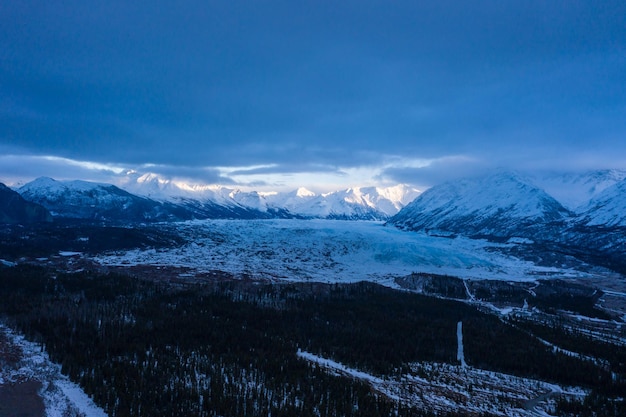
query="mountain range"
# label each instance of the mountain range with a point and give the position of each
(580, 214)
(150, 198)
(505, 206)
(500, 204)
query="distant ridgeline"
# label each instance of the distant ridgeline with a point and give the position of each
(87, 200)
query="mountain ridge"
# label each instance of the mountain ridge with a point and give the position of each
(155, 199)
(371, 203)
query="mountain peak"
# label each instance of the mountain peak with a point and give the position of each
(303, 192)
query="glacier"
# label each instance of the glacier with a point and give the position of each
(330, 251)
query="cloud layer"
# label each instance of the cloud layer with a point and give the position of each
(273, 90)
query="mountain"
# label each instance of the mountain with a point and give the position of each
(87, 200)
(201, 201)
(608, 208)
(365, 203)
(499, 205)
(16, 210)
(599, 231)
(575, 190)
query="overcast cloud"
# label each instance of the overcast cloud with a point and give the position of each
(273, 92)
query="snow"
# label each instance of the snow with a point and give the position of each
(7, 263)
(575, 190)
(351, 202)
(329, 251)
(77, 199)
(456, 389)
(50, 187)
(61, 397)
(79, 399)
(498, 203)
(460, 355)
(303, 192)
(490, 193)
(520, 240)
(69, 253)
(608, 208)
(338, 367)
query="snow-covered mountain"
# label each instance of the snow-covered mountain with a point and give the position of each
(607, 208)
(88, 200)
(500, 205)
(575, 190)
(15, 209)
(371, 203)
(151, 198)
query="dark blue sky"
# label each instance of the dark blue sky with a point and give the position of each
(280, 92)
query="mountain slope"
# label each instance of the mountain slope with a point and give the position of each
(608, 208)
(201, 201)
(16, 210)
(575, 190)
(86, 200)
(497, 205)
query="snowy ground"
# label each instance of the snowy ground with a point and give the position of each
(447, 388)
(330, 251)
(61, 397)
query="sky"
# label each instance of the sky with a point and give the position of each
(323, 94)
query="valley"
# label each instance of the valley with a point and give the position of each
(482, 297)
(376, 301)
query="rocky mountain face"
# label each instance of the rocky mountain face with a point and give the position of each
(16, 210)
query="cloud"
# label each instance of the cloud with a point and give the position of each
(434, 172)
(290, 168)
(203, 175)
(293, 88)
(17, 169)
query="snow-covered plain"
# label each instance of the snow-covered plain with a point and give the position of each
(329, 251)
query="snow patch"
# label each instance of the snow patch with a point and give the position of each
(69, 253)
(460, 355)
(443, 388)
(61, 397)
(7, 263)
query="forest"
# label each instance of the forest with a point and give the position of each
(228, 348)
